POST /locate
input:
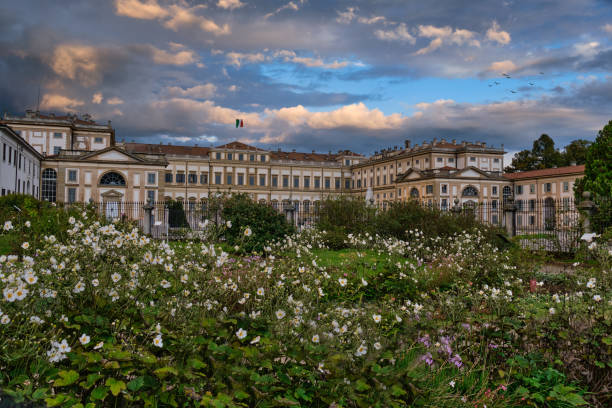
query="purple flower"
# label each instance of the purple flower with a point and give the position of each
(456, 360)
(425, 340)
(428, 358)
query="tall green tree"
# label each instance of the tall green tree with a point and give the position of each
(598, 177)
(542, 155)
(576, 152)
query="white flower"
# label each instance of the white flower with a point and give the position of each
(184, 278)
(364, 282)
(84, 339)
(229, 224)
(255, 340)
(398, 319)
(301, 269)
(552, 310)
(25, 245)
(165, 284)
(21, 293)
(597, 298)
(280, 314)
(8, 225)
(260, 292)
(31, 279)
(95, 282)
(342, 282)
(63, 347)
(452, 384)
(116, 277)
(28, 224)
(79, 287)
(5, 319)
(99, 345)
(588, 237)
(377, 346)
(71, 220)
(361, 350)
(157, 341)
(315, 338)
(248, 232)
(377, 318)
(591, 283)
(241, 334)
(9, 295)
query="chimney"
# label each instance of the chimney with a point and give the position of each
(293, 150)
(407, 144)
(463, 143)
(313, 152)
(435, 142)
(483, 144)
(279, 149)
(196, 145)
(29, 113)
(454, 141)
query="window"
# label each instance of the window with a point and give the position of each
(180, 178)
(347, 162)
(218, 157)
(262, 158)
(451, 159)
(306, 182)
(72, 175)
(3, 152)
(241, 157)
(192, 178)
(347, 184)
(56, 135)
(327, 183)
(274, 181)
(495, 160)
(230, 156)
(337, 183)
(150, 195)
(417, 162)
(532, 205)
(519, 190)
(217, 178)
(317, 182)
(532, 220)
(229, 179)
(56, 149)
(507, 191)
(48, 185)
(151, 178)
(470, 191)
(384, 179)
(547, 187)
(252, 180)
(494, 190)
(71, 195)
(429, 189)
(378, 180)
(19, 161)
(296, 182)
(98, 140)
(532, 188)
(240, 179)
(444, 188)
(204, 178)
(440, 160)
(566, 186)
(472, 159)
(414, 193)
(495, 219)
(252, 157)
(285, 181)
(168, 177)
(358, 183)
(112, 179)
(262, 180)
(444, 203)
(10, 154)
(494, 204)
(15, 158)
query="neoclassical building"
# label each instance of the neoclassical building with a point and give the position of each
(80, 160)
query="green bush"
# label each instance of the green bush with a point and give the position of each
(176, 214)
(265, 223)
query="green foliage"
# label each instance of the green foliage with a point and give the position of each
(265, 223)
(176, 214)
(544, 155)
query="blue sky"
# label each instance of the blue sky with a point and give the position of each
(322, 75)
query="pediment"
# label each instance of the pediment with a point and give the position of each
(413, 175)
(471, 172)
(112, 155)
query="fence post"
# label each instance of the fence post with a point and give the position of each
(289, 211)
(510, 216)
(456, 209)
(148, 218)
(587, 209)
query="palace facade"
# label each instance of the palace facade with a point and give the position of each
(79, 160)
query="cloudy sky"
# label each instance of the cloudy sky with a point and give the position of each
(309, 74)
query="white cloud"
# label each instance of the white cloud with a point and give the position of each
(237, 58)
(232, 88)
(174, 16)
(203, 91)
(230, 4)
(502, 66)
(97, 98)
(587, 50)
(607, 28)
(290, 56)
(114, 101)
(146, 10)
(400, 33)
(60, 102)
(445, 34)
(180, 58)
(345, 17)
(372, 20)
(495, 34)
(289, 6)
(76, 62)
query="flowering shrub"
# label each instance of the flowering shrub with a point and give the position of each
(98, 314)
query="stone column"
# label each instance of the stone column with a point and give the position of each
(148, 217)
(587, 209)
(510, 216)
(456, 209)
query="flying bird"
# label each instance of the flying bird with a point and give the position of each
(531, 83)
(497, 83)
(541, 73)
(512, 91)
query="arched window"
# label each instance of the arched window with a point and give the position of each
(49, 185)
(506, 192)
(470, 191)
(414, 192)
(112, 179)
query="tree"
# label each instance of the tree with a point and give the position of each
(576, 152)
(598, 177)
(522, 161)
(542, 155)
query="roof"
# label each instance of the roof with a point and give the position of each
(8, 130)
(318, 157)
(240, 146)
(559, 171)
(173, 150)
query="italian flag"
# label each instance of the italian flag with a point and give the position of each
(239, 123)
